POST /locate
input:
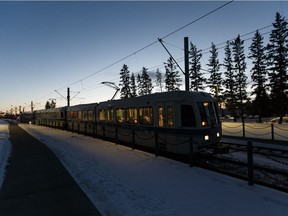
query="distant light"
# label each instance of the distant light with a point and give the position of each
(30, 122)
(218, 134)
(206, 137)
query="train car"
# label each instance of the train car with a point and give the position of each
(54, 117)
(81, 118)
(27, 117)
(179, 122)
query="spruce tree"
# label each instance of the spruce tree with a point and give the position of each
(214, 81)
(125, 82)
(133, 86)
(240, 67)
(159, 80)
(172, 77)
(197, 78)
(144, 83)
(229, 81)
(258, 73)
(277, 66)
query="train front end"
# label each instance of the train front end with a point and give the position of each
(209, 124)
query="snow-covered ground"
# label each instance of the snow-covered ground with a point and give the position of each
(5, 148)
(121, 181)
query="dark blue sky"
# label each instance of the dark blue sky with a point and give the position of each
(48, 46)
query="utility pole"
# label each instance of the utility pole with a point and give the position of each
(68, 96)
(186, 62)
(32, 107)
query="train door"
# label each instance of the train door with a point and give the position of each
(165, 115)
(165, 119)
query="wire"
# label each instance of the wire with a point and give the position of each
(190, 23)
(145, 47)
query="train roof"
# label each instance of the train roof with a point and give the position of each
(163, 97)
(155, 97)
(82, 106)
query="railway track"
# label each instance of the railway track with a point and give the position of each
(269, 166)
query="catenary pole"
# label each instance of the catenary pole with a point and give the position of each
(186, 60)
(68, 96)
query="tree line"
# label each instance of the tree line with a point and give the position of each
(268, 74)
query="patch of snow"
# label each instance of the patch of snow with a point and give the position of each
(5, 148)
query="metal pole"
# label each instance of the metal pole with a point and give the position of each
(68, 96)
(186, 59)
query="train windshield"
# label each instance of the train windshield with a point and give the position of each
(208, 113)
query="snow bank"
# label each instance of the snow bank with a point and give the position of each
(5, 148)
(121, 181)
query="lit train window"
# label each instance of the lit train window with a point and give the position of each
(80, 115)
(170, 122)
(146, 115)
(85, 117)
(101, 115)
(109, 115)
(187, 116)
(160, 116)
(120, 115)
(73, 115)
(132, 116)
(90, 115)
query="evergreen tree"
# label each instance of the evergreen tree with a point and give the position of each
(240, 67)
(172, 77)
(258, 73)
(277, 65)
(214, 81)
(144, 83)
(133, 86)
(125, 82)
(159, 80)
(47, 105)
(229, 81)
(197, 78)
(51, 105)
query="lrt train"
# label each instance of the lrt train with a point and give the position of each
(178, 122)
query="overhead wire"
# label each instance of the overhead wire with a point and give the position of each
(147, 46)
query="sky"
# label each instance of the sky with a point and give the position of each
(123, 182)
(46, 47)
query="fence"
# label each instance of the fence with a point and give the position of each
(268, 131)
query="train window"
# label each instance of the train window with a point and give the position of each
(85, 115)
(132, 116)
(62, 115)
(160, 116)
(187, 116)
(101, 115)
(90, 115)
(80, 115)
(73, 115)
(170, 121)
(208, 113)
(109, 115)
(146, 115)
(120, 115)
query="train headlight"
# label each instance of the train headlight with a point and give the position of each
(218, 134)
(206, 137)
(204, 123)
